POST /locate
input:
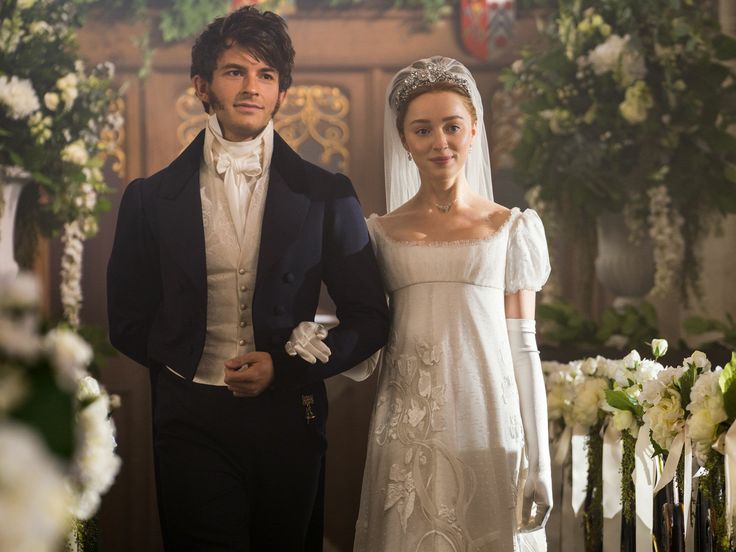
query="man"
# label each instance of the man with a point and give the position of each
(216, 259)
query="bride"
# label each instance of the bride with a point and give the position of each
(458, 456)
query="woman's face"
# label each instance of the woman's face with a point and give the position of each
(438, 131)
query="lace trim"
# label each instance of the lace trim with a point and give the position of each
(449, 243)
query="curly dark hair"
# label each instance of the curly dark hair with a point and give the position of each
(264, 34)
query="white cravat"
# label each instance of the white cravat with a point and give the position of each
(240, 165)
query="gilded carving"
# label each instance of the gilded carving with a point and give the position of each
(112, 140)
(313, 113)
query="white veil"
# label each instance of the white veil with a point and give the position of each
(402, 176)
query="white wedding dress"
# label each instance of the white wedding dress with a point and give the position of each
(445, 459)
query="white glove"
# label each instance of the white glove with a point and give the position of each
(306, 341)
(537, 501)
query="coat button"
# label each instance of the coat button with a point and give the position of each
(241, 271)
(279, 309)
(289, 277)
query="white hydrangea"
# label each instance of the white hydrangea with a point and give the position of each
(653, 390)
(707, 411)
(70, 355)
(34, 499)
(18, 96)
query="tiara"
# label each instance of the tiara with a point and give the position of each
(426, 76)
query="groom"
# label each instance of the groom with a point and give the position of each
(216, 259)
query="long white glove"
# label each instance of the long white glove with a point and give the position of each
(537, 502)
(306, 340)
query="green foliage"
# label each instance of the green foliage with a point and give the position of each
(49, 409)
(621, 400)
(564, 324)
(623, 97)
(637, 323)
(685, 384)
(628, 491)
(697, 325)
(727, 383)
(629, 327)
(186, 18)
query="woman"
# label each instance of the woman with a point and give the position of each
(458, 456)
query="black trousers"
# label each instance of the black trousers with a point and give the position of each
(236, 474)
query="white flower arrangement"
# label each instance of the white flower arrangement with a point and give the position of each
(707, 412)
(55, 470)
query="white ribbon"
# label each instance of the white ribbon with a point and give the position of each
(730, 462)
(612, 457)
(644, 474)
(562, 446)
(579, 467)
(680, 443)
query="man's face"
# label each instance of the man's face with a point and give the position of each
(244, 93)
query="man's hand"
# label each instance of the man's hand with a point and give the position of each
(306, 341)
(250, 374)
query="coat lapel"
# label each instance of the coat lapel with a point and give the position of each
(180, 215)
(286, 205)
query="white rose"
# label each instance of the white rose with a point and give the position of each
(70, 355)
(623, 420)
(51, 100)
(68, 87)
(76, 153)
(517, 66)
(659, 347)
(632, 359)
(604, 57)
(699, 359)
(666, 418)
(40, 28)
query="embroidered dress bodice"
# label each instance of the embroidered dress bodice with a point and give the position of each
(445, 459)
(231, 255)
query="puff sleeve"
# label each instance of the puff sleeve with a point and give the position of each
(527, 258)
